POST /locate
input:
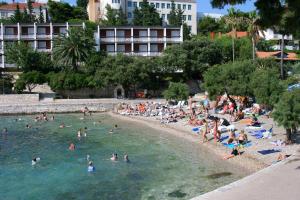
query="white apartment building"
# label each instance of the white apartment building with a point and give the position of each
(289, 41)
(96, 9)
(128, 40)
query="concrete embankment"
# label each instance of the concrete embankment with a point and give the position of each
(25, 105)
(277, 182)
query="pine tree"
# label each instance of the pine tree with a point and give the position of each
(17, 17)
(110, 16)
(25, 17)
(41, 16)
(121, 18)
(146, 15)
(175, 16)
(30, 11)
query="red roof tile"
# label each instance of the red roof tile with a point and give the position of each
(276, 55)
(22, 6)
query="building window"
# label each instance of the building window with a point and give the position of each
(163, 5)
(163, 16)
(184, 17)
(140, 4)
(129, 15)
(152, 4)
(168, 6)
(135, 4)
(42, 45)
(179, 6)
(168, 16)
(157, 5)
(129, 4)
(189, 7)
(184, 7)
(189, 17)
(190, 28)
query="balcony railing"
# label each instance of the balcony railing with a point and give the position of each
(140, 53)
(30, 36)
(123, 39)
(108, 39)
(43, 36)
(44, 50)
(155, 39)
(10, 36)
(173, 39)
(140, 39)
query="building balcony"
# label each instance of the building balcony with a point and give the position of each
(10, 37)
(31, 36)
(44, 50)
(1, 51)
(155, 39)
(140, 39)
(8, 65)
(108, 39)
(173, 39)
(155, 54)
(140, 53)
(123, 39)
(43, 36)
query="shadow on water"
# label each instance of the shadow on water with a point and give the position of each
(177, 194)
(218, 175)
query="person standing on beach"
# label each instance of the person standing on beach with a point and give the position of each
(215, 130)
(204, 131)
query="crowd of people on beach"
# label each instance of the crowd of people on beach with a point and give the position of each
(206, 118)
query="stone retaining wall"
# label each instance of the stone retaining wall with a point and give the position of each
(52, 108)
(19, 98)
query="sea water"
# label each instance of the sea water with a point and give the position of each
(161, 166)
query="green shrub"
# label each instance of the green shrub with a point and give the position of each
(176, 91)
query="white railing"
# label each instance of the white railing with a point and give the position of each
(10, 36)
(10, 65)
(43, 36)
(107, 39)
(27, 36)
(156, 39)
(44, 50)
(155, 53)
(123, 39)
(175, 39)
(139, 53)
(141, 39)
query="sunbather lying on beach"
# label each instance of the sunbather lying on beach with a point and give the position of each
(234, 153)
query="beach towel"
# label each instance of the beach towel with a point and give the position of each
(245, 121)
(224, 137)
(232, 145)
(269, 151)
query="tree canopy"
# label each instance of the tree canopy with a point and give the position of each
(146, 15)
(114, 17)
(73, 49)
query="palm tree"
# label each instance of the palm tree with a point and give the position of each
(233, 20)
(73, 48)
(254, 29)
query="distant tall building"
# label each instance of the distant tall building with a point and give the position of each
(96, 9)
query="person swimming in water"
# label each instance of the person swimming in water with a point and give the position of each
(35, 160)
(88, 157)
(126, 159)
(79, 134)
(28, 126)
(111, 131)
(114, 157)
(4, 131)
(91, 167)
(72, 147)
(62, 125)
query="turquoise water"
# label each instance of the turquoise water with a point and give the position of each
(161, 167)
